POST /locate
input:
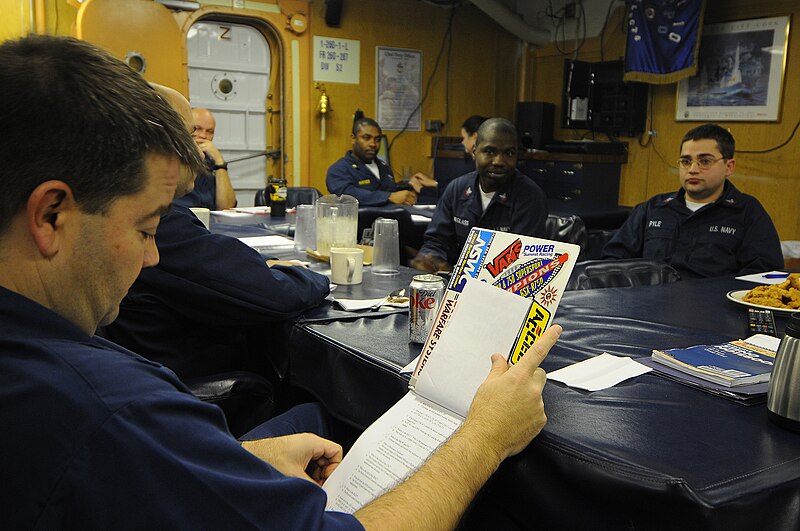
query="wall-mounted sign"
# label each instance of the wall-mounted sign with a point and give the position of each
(337, 60)
(398, 83)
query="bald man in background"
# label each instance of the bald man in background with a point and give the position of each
(213, 190)
(204, 309)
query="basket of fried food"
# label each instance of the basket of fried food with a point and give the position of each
(784, 295)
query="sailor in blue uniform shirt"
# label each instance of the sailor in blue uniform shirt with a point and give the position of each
(708, 228)
(361, 174)
(496, 196)
(204, 309)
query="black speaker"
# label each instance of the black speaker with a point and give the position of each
(333, 12)
(535, 123)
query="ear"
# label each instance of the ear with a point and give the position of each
(50, 206)
(730, 166)
(474, 148)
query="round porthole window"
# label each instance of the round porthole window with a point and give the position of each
(223, 86)
(136, 61)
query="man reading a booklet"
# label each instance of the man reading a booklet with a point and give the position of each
(101, 438)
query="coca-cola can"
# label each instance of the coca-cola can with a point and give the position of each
(426, 293)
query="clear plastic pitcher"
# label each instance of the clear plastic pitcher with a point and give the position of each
(337, 222)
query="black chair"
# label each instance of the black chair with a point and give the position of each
(567, 228)
(246, 398)
(295, 195)
(595, 241)
(592, 274)
(410, 241)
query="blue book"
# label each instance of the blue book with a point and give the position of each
(730, 364)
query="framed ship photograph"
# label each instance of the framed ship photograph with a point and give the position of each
(740, 70)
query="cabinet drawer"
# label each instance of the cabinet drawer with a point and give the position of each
(585, 186)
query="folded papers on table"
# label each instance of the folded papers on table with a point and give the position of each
(600, 372)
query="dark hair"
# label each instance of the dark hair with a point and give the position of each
(359, 121)
(725, 142)
(472, 123)
(74, 113)
(495, 125)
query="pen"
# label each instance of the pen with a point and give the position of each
(775, 275)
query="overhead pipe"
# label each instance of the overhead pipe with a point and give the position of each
(512, 22)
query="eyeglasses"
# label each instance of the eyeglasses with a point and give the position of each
(703, 163)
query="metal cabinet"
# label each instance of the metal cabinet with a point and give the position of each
(575, 187)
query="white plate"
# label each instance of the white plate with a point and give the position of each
(738, 296)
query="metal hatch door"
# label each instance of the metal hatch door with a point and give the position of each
(229, 73)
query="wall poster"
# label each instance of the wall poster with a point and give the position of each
(399, 81)
(739, 73)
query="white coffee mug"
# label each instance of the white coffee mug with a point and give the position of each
(347, 265)
(203, 214)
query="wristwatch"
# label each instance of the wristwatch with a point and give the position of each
(223, 166)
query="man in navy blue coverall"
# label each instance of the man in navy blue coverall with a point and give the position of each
(361, 174)
(204, 309)
(100, 438)
(708, 228)
(496, 196)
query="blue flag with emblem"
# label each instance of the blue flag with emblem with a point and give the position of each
(663, 40)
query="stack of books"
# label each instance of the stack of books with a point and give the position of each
(738, 370)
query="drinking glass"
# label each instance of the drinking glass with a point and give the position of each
(386, 251)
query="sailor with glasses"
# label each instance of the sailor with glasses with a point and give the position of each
(708, 228)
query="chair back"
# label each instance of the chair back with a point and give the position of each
(247, 398)
(261, 198)
(567, 228)
(368, 214)
(301, 195)
(295, 195)
(592, 274)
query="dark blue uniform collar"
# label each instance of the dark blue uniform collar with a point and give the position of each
(25, 318)
(358, 163)
(731, 197)
(502, 196)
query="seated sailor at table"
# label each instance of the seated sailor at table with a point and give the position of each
(101, 438)
(204, 308)
(361, 174)
(212, 188)
(496, 196)
(708, 228)
(469, 133)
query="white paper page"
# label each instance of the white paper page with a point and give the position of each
(253, 209)
(230, 214)
(764, 341)
(389, 451)
(257, 242)
(411, 366)
(485, 320)
(763, 278)
(416, 218)
(600, 372)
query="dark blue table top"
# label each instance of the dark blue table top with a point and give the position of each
(644, 450)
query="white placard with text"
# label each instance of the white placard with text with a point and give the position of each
(337, 60)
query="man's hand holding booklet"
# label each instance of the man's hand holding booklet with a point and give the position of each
(475, 320)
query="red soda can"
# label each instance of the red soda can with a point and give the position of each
(426, 293)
